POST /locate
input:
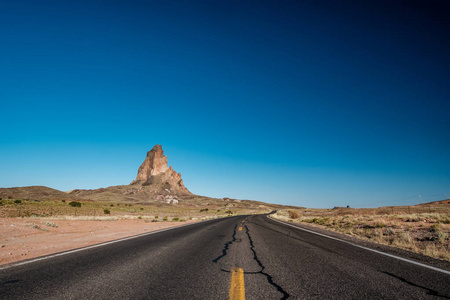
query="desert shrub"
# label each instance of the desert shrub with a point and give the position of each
(204, 210)
(379, 224)
(112, 205)
(140, 218)
(106, 211)
(405, 237)
(165, 218)
(50, 224)
(389, 231)
(182, 220)
(293, 214)
(413, 218)
(156, 217)
(38, 227)
(229, 212)
(435, 227)
(445, 220)
(63, 201)
(377, 233)
(319, 221)
(75, 204)
(154, 220)
(141, 208)
(175, 219)
(441, 237)
(17, 201)
(1, 203)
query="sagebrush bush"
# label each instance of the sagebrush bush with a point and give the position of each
(405, 237)
(293, 214)
(389, 231)
(106, 211)
(435, 227)
(50, 224)
(75, 204)
(441, 237)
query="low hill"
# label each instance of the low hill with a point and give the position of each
(34, 193)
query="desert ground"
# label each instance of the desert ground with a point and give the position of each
(26, 238)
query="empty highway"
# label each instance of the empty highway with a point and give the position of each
(251, 257)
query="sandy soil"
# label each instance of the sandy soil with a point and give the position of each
(22, 239)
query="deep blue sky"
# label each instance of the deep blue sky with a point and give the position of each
(309, 103)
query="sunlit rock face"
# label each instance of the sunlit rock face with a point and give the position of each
(154, 170)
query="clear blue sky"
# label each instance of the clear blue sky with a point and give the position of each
(309, 103)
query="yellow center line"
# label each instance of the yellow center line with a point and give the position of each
(237, 287)
(240, 228)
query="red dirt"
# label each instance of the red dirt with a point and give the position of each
(22, 239)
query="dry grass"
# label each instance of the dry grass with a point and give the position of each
(420, 229)
(103, 210)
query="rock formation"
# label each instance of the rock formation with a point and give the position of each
(155, 172)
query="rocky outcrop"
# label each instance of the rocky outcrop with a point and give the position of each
(155, 172)
(154, 164)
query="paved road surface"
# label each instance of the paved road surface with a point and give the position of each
(267, 259)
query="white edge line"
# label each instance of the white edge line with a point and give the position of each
(365, 248)
(93, 246)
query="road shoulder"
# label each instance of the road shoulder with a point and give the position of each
(441, 264)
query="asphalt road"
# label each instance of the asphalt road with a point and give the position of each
(198, 262)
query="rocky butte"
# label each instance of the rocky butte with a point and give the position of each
(154, 172)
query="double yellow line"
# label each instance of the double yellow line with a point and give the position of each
(237, 287)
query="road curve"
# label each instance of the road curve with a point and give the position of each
(213, 259)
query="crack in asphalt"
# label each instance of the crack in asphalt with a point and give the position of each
(226, 246)
(255, 257)
(430, 291)
(268, 276)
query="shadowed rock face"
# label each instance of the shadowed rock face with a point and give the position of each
(154, 170)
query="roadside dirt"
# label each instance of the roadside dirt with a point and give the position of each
(22, 239)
